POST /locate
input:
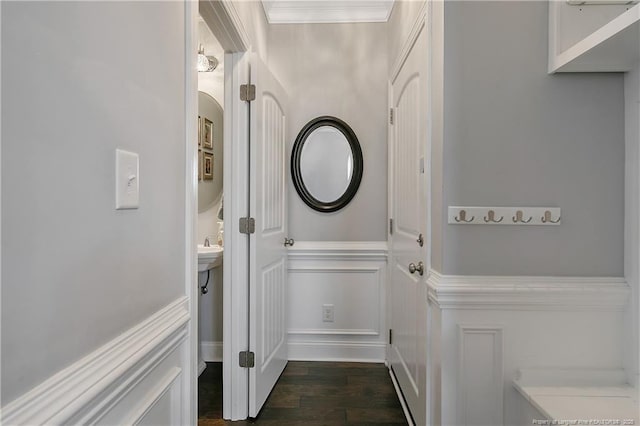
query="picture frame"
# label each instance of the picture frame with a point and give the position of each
(199, 131)
(207, 166)
(207, 134)
(200, 161)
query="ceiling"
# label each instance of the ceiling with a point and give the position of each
(326, 11)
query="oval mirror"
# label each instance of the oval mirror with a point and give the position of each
(326, 164)
(210, 147)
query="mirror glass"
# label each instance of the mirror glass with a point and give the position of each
(326, 163)
(210, 144)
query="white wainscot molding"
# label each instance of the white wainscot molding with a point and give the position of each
(135, 378)
(483, 330)
(211, 351)
(520, 292)
(350, 276)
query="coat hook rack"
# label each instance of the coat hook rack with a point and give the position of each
(518, 217)
(492, 217)
(462, 217)
(501, 216)
(547, 218)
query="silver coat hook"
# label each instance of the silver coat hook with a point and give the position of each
(462, 217)
(518, 217)
(547, 218)
(492, 217)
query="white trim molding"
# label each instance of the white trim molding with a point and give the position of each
(487, 387)
(337, 351)
(416, 28)
(527, 293)
(89, 389)
(211, 351)
(326, 11)
(222, 18)
(338, 250)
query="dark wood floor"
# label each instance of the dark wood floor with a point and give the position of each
(313, 393)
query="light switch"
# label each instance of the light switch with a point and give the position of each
(127, 180)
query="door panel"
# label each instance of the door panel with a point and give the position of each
(268, 256)
(409, 210)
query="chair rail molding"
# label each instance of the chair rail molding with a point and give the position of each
(338, 250)
(97, 385)
(527, 292)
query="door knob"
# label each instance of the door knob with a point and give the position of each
(413, 268)
(288, 242)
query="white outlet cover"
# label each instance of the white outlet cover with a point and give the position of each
(127, 180)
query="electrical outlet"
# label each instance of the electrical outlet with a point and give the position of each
(327, 313)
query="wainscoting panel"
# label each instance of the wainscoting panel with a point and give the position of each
(480, 375)
(137, 378)
(350, 278)
(483, 330)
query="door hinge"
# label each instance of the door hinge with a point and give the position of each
(247, 92)
(390, 336)
(390, 115)
(391, 226)
(247, 225)
(247, 359)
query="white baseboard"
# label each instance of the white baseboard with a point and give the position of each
(405, 409)
(211, 351)
(98, 384)
(343, 351)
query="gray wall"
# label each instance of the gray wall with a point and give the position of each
(515, 136)
(632, 218)
(339, 70)
(75, 272)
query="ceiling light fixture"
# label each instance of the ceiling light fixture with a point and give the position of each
(206, 63)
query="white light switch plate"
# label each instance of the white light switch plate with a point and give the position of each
(127, 180)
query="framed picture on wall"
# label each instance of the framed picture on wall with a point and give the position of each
(207, 134)
(199, 164)
(199, 131)
(207, 166)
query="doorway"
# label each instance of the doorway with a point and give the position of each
(210, 219)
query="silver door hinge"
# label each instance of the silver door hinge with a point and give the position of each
(390, 336)
(247, 225)
(247, 359)
(390, 115)
(391, 226)
(247, 92)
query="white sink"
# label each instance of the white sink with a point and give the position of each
(209, 257)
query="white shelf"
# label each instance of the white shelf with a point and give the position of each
(614, 47)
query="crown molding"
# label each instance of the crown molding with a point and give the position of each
(326, 12)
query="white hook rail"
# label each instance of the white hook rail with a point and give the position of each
(545, 216)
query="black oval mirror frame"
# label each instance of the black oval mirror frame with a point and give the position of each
(296, 172)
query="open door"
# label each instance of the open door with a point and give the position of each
(268, 254)
(409, 246)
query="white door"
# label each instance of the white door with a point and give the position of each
(268, 255)
(408, 209)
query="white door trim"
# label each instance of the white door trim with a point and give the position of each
(235, 293)
(190, 378)
(225, 24)
(224, 21)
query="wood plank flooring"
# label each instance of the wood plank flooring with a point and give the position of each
(313, 394)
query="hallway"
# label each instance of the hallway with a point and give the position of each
(313, 393)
